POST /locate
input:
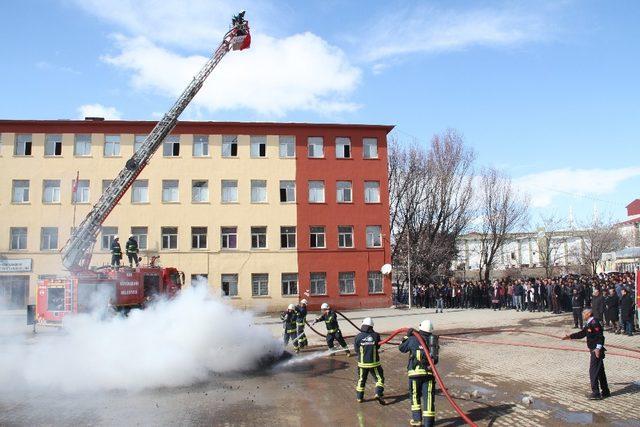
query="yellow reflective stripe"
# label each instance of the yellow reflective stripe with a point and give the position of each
(417, 372)
(429, 402)
(380, 381)
(291, 331)
(369, 365)
(415, 405)
(331, 331)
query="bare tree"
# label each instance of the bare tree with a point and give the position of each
(552, 236)
(502, 211)
(597, 238)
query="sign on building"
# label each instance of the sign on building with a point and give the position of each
(15, 265)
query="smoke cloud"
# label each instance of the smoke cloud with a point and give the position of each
(172, 343)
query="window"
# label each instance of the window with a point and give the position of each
(318, 284)
(287, 191)
(18, 238)
(374, 236)
(200, 191)
(229, 237)
(317, 237)
(198, 237)
(112, 145)
(258, 146)
(138, 141)
(316, 191)
(82, 145)
(140, 191)
(200, 146)
(82, 192)
(287, 146)
(229, 145)
(48, 238)
(229, 285)
(375, 282)
(259, 285)
(51, 191)
(258, 191)
(315, 147)
(171, 146)
(343, 148)
(289, 284)
(371, 192)
(343, 189)
(53, 145)
(347, 282)
(170, 192)
(140, 236)
(105, 184)
(20, 191)
(258, 237)
(345, 236)
(169, 237)
(108, 235)
(287, 237)
(23, 145)
(229, 191)
(370, 148)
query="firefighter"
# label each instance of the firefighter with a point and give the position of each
(116, 253)
(367, 344)
(330, 319)
(289, 323)
(301, 318)
(132, 251)
(421, 378)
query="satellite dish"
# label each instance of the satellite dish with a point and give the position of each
(386, 269)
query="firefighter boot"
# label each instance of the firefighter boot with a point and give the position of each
(429, 421)
(416, 418)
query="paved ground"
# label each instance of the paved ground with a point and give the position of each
(488, 381)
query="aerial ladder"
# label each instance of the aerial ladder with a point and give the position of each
(76, 253)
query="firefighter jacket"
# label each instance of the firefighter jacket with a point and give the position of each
(289, 321)
(418, 364)
(330, 319)
(367, 344)
(301, 315)
(116, 249)
(593, 331)
(131, 246)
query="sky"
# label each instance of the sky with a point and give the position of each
(547, 91)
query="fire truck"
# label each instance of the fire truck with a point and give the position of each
(124, 288)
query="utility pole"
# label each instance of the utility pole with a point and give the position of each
(409, 268)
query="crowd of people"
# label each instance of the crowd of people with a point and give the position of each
(611, 296)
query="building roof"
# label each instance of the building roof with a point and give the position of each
(633, 208)
(631, 252)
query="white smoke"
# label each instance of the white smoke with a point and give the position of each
(171, 343)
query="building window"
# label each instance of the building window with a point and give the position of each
(229, 237)
(51, 191)
(198, 237)
(140, 236)
(374, 236)
(345, 236)
(315, 146)
(82, 145)
(258, 146)
(170, 192)
(112, 145)
(287, 237)
(259, 285)
(53, 145)
(287, 146)
(169, 237)
(343, 148)
(347, 282)
(171, 146)
(140, 191)
(105, 184)
(200, 146)
(371, 192)
(229, 285)
(23, 145)
(49, 238)
(108, 236)
(318, 284)
(344, 191)
(258, 191)
(289, 284)
(81, 194)
(317, 237)
(229, 191)
(370, 148)
(18, 238)
(287, 191)
(375, 282)
(20, 191)
(229, 145)
(316, 191)
(138, 141)
(199, 191)
(258, 237)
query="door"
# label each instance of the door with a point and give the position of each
(13, 292)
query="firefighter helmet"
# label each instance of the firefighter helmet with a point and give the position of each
(324, 306)
(304, 302)
(116, 238)
(426, 326)
(367, 321)
(291, 307)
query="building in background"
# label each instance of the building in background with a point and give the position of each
(265, 213)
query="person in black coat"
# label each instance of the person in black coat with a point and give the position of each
(612, 307)
(597, 304)
(626, 312)
(577, 305)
